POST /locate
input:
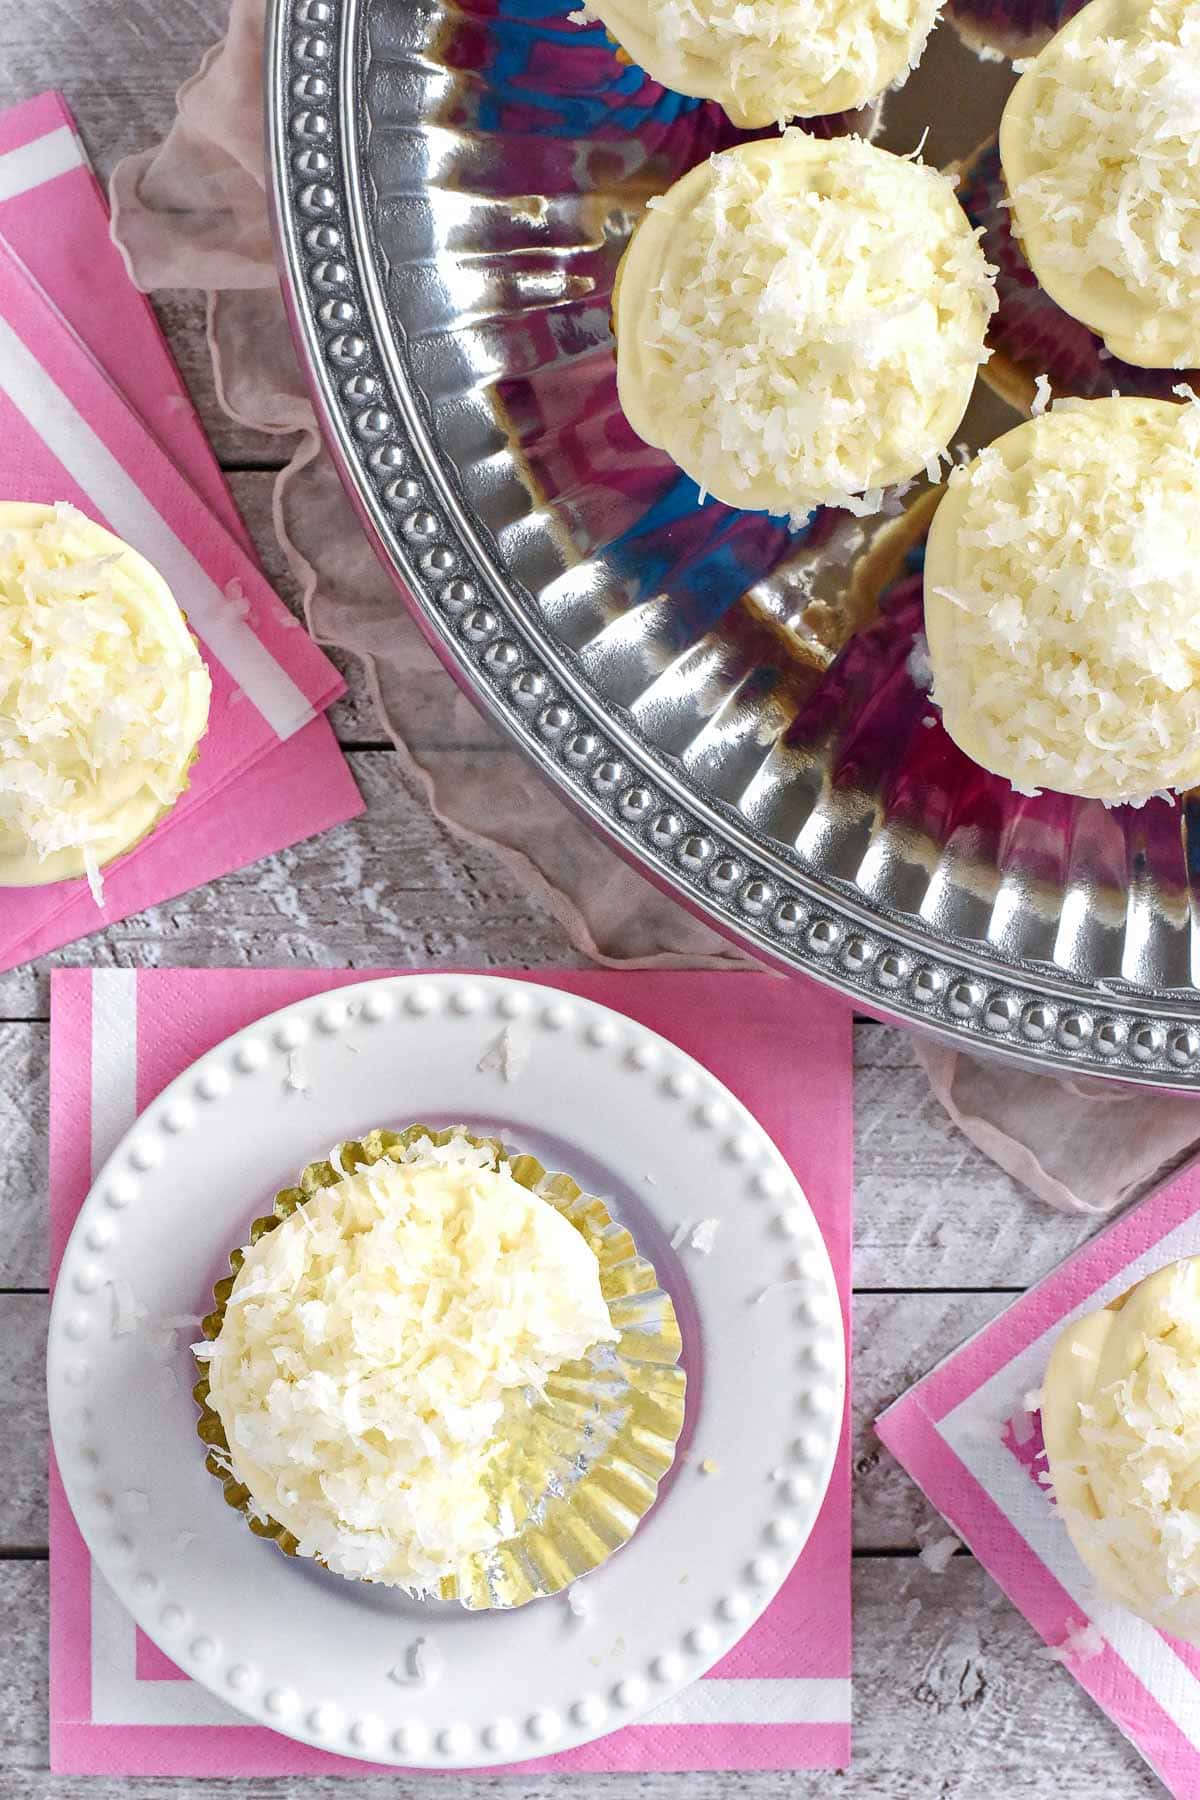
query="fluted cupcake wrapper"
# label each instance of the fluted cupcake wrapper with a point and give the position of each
(581, 1463)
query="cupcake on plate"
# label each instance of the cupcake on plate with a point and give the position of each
(1098, 148)
(799, 322)
(1062, 601)
(440, 1369)
(776, 59)
(103, 697)
(1120, 1408)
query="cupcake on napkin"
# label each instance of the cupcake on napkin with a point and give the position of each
(104, 697)
(1120, 1408)
(440, 1369)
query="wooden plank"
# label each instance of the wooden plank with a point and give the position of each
(897, 1339)
(949, 1702)
(181, 313)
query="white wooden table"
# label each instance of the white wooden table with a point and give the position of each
(949, 1699)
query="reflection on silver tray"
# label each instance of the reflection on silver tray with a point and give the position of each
(454, 185)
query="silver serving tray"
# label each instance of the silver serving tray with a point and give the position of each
(453, 187)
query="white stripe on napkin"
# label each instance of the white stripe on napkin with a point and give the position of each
(808, 1701)
(119, 1698)
(54, 153)
(114, 1060)
(88, 460)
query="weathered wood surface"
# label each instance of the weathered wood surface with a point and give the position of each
(950, 1704)
(949, 1699)
(932, 1212)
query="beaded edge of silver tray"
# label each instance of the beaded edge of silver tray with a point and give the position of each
(656, 816)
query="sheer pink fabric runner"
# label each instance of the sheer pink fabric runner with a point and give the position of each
(192, 214)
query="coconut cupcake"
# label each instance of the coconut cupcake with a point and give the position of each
(799, 323)
(1029, 335)
(1097, 145)
(1062, 601)
(1120, 1409)
(437, 1368)
(777, 59)
(103, 696)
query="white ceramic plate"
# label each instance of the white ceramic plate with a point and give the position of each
(635, 1120)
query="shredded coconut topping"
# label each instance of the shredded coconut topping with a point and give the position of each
(771, 60)
(799, 322)
(1101, 149)
(1124, 1441)
(1062, 601)
(102, 696)
(938, 1554)
(368, 1346)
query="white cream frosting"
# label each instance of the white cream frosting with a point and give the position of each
(767, 61)
(1098, 144)
(1120, 1408)
(1062, 601)
(103, 696)
(369, 1344)
(800, 321)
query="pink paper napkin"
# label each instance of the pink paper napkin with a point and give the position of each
(779, 1700)
(45, 174)
(964, 1435)
(68, 433)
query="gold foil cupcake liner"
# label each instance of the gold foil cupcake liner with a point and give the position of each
(581, 1463)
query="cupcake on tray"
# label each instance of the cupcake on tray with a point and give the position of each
(1062, 601)
(438, 1368)
(1090, 205)
(1120, 1410)
(774, 60)
(800, 322)
(103, 697)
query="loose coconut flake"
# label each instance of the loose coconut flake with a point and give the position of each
(579, 1603)
(127, 1310)
(937, 1555)
(1081, 1643)
(507, 1054)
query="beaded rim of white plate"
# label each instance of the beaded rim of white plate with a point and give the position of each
(790, 1506)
